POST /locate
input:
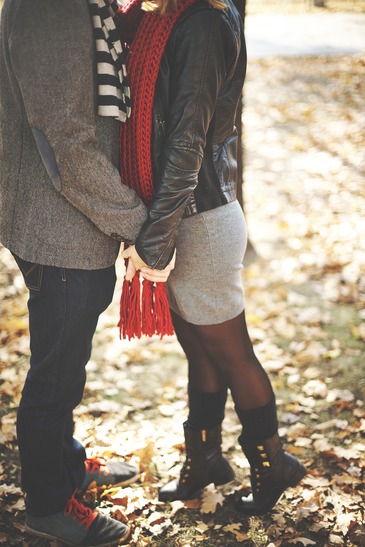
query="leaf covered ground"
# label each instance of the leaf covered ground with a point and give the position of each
(305, 291)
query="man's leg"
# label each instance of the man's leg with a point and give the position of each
(64, 306)
(74, 454)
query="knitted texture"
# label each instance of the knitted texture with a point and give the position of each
(143, 63)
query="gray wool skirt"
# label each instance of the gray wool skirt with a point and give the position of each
(205, 288)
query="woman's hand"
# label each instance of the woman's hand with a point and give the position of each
(132, 254)
(136, 263)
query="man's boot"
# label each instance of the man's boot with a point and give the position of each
(204, 464)
(272, 472)
(79, 526)
(100, 473)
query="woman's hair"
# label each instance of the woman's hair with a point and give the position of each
(166, 6)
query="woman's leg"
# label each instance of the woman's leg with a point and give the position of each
(230, 354)
(207, 398)
(219, 351)
(222, 355)
(207, 389)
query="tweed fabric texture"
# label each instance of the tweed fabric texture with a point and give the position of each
(61, 203)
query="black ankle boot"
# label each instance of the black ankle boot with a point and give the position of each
(272, 472)
(204, 464)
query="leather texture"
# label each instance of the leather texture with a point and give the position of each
(204, 464)
(272, 471)
(194, 141)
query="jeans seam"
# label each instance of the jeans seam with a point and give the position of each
(57, 369)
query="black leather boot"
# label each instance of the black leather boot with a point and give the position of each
(272, 472)
(204, 464)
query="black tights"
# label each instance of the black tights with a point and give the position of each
(221, 356)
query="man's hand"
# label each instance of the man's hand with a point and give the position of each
(136, 263)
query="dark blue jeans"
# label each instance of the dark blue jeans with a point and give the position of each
(64, 307)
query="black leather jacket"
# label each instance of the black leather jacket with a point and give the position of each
(194, 140)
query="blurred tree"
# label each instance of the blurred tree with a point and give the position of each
(250, 254)
(241, 7)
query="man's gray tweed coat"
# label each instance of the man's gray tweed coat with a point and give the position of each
(61, 199)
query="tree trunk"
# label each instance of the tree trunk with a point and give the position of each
(250, 254)
(241, 7)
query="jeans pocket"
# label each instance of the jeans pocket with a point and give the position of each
(32, 273)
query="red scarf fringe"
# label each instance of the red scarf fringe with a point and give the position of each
(143, 311)
(147, 313)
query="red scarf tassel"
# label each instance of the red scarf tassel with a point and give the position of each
(144, 311)
(147, 34)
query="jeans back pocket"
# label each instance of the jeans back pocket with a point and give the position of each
(32, 273)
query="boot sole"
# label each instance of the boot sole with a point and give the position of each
(294, 481)
(44, 535)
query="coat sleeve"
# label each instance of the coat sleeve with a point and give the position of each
(200, 54)
(52, 55)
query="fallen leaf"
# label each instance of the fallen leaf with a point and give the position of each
(334, 539)
(304, 541)
(210, 499)
(155, 518)
(8, 489)
(18, 506)
(118, 514)
(201, 526)
(192, 504)
(175, 507)
(343, 522)
(235, 528)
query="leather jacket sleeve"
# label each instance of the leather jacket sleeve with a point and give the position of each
(200, 52)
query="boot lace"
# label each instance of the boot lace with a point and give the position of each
(98, 464)
(83, 514)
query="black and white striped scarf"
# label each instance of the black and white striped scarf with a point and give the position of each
(113, 86)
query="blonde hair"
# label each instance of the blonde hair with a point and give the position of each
(166, 6)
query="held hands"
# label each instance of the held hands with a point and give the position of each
(136, 263)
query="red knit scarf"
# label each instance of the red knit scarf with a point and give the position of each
(147, 313)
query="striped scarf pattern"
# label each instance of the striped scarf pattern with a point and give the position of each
(112, 81)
